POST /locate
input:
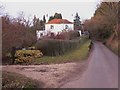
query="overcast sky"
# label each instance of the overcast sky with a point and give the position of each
(67, 9)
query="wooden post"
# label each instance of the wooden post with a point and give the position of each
(90, 46)
(13, 54)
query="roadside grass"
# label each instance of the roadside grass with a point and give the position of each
(78, 54)
(14, 80)
(114, 47)
(112, 43)
(114, 50)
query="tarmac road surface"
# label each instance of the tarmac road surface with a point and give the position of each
(102, 71)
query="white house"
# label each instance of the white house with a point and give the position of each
(56, 26)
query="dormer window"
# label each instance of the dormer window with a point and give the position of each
(51, 27)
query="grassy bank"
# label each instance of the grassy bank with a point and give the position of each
(114, 49)
(113, 44)
(14, 80)
(75, 55)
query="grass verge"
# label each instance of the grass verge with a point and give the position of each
(14, 80)
(114, 50)
(78, 54)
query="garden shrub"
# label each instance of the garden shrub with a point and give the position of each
(66, 35)
(74, 34)
(27, 56)
(14, 81)
(54, 47)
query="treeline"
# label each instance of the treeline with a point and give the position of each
(15, 33)
(56, 16)
(19, 32)
(105, 21)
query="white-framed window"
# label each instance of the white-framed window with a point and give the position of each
(41, 34)
(66, 26)
(51, 27)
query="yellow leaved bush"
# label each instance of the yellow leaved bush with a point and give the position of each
(27, 56)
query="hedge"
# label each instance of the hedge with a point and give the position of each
(54, 47)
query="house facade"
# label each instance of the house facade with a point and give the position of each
(57, 26)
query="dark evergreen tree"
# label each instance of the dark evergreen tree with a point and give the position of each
(77, 22)
(42, 25)
(51, 18)
(58, 16)
(34, 22)
(44, 20)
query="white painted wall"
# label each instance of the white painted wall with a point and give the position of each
(40, 33)
(80, 33)
(58, 27)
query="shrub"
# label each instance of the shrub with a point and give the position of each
(74, 34)
(12, 80)
(69, 35)
(65, 35)
(54, 47)
(27, 56)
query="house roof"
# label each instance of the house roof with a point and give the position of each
(59, 21)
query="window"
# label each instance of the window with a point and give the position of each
(66, 26)
(51, 27)
(41, 34)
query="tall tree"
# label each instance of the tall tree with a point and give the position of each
(58, 16)
(51, 18)
(109, 10)
(15, 34)
(102, 24)
(44, 19)
(77, 22)
(34, 21)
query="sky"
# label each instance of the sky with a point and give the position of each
(67, 9)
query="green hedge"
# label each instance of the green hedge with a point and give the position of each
(54, 47)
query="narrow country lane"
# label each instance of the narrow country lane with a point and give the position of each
(102, 71)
